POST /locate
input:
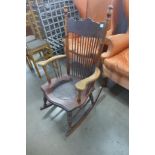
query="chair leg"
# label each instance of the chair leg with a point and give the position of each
(45, 104)
(98, 95)
(74, 126)
(69, 121)
(29, 63)
(37, 70)
(105, 82)
(45, 100)
(91, 98)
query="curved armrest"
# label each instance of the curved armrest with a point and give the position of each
(81, 85)
(116, 44)
(44, 63)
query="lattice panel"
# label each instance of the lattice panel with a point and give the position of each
(52, 18)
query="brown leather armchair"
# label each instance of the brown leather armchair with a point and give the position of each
(116, 59)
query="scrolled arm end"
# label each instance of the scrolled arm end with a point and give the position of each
(82, 84)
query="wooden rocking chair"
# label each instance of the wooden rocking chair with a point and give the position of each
(73, 91)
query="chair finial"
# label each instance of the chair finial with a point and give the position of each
(109, 14)
(109, 11)
(65, 9)
(65, 18)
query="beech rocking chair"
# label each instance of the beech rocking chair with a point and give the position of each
(84, 40)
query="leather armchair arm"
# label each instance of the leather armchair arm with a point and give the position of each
(116, 44)
(82, 84)
(44, 63)
(109, 32)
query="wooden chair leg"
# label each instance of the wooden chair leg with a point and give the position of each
(36, 68)
(105, 82)
(29, 63)
(91, 98)
(74, 126)
(45, 100)
(98, 95)
(45, 104)
(69, 119)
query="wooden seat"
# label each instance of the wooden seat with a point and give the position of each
(65, 99)
(73, 89)
(34, 44)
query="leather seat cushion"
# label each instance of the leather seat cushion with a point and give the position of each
(30, 38)
(119, 63)
(35, 44)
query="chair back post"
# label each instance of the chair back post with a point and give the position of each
(66, 36)
(107, 25)
(108, 20)
(109, 15)
(46, 74)
(65, 18)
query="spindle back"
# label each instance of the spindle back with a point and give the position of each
(84, 40)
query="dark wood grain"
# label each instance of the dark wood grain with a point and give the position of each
(86, 27)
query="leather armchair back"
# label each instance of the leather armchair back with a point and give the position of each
(81, 5)
(97, 9)
(126, 8)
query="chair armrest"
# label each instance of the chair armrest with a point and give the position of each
(116, 44)
(81, 85)
(52, 59)
(44, 63)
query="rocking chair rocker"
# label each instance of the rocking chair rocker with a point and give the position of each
(72, 91)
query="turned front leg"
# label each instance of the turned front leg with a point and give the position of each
(45, 100)
(69, 119)
(45, 104)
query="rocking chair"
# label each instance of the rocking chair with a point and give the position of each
(73, 91)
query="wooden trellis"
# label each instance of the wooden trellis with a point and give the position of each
(51, 15)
